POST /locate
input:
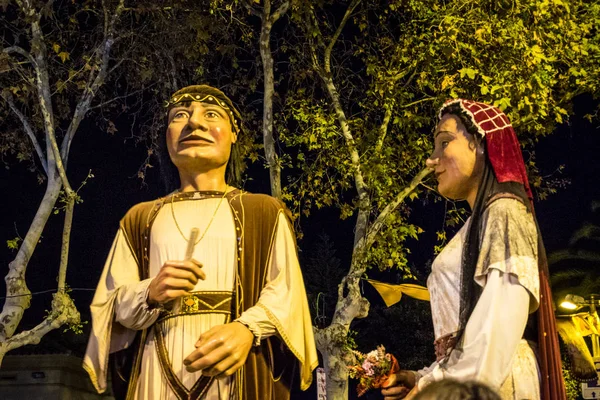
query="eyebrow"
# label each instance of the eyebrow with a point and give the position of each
(442, 131)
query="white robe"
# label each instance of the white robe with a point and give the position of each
(120, 292)
(493, 350)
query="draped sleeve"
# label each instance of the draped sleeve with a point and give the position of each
(509, 243)
(118, 309)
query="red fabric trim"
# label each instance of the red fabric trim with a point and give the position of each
(503, 149)
(552, 385)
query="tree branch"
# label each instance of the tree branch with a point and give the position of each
(84, 103)
(21, 51)
(63, 312)
(414, 103)
(7, 96)
(107, 102)
(329, 49)
(279, 12)
(43, 92)
(325, 75)
(383, 129)
(251, 9)
(374, 229)
(16, 286)
(66, 240)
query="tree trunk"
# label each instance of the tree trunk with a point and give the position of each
(269, 88)
(330, 343)
(17, 294)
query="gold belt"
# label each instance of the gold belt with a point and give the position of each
(203, 302)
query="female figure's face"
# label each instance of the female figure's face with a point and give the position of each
(457, 160)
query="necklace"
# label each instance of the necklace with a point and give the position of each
(209, 222)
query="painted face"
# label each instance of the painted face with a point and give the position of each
(199, 136)
(456, 159)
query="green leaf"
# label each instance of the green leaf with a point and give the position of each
(469, 72)
(64, 56)
(13, 244)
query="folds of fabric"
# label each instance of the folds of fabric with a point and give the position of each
(259, 223)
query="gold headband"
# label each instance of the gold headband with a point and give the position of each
(206, 99)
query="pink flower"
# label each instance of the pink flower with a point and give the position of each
(369, 368)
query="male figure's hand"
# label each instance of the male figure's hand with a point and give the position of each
(221, 350)
(175, 279)
(399, 385)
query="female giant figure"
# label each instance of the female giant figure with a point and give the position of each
(489, 286)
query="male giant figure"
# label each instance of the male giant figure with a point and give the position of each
(202, 296)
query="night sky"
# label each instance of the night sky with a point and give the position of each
(114, 161)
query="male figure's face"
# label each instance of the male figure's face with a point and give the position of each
(199, 136)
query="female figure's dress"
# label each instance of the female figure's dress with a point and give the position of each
(492, 350)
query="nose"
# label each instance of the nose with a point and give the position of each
(197, 121)
(432, 162)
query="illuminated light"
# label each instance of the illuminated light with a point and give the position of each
(568, 305)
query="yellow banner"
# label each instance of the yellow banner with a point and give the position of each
(392, 294)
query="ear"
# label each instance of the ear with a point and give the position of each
(234, 137)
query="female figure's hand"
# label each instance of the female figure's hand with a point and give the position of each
(399, 385)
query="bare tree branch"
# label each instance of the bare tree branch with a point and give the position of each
(251, 9)
(325, 75)
(383, 129)
(16, 286)
(336, 35)
(418, 102)
(374, 229)
(21, 51)
(66, 240)
(7, 96)
(117, 98)
(63, 312)
(84, 103)
(44, 97)
(279, 12)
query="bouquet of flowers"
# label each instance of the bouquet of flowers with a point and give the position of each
(372, 369)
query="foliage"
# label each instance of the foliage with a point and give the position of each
(400, 61)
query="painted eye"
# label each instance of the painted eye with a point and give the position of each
(444, 144)
(212, 114)
(181, 114)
